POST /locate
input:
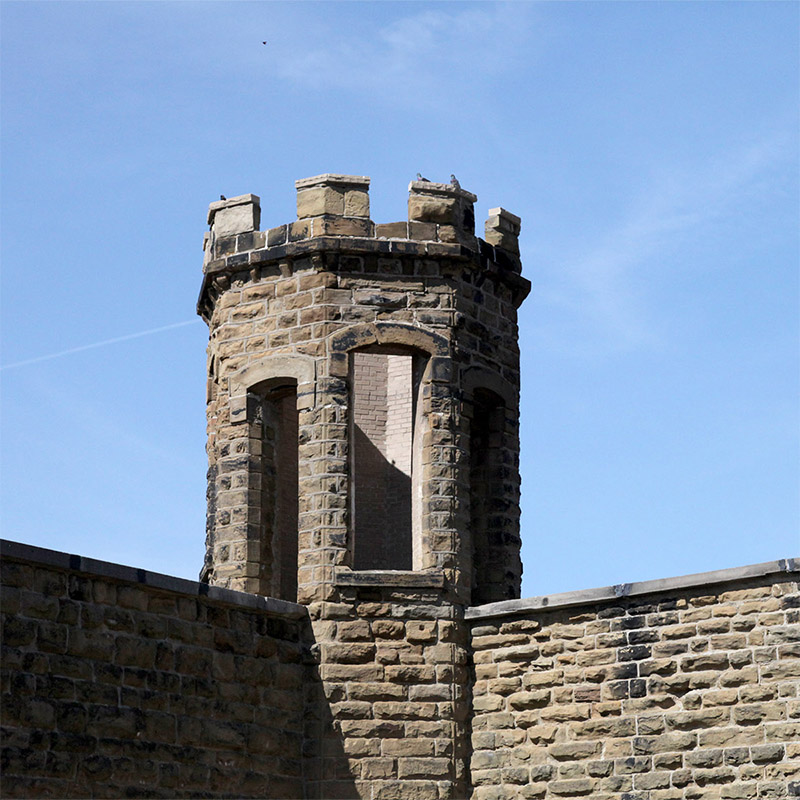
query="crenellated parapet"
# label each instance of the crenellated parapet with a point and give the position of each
(333, 218)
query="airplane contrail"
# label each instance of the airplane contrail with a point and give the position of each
(97, 344)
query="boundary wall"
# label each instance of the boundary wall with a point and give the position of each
(118, 682)
(681, 689)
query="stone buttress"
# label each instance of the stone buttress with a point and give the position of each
(363, 419)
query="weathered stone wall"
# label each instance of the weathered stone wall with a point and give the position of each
(394, 681)
(681, 690)
(117, 682)
(121, 683)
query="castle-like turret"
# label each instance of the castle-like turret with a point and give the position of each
(363, 392)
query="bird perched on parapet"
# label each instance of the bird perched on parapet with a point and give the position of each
(420, 178)
(222, 197)
(454, 181)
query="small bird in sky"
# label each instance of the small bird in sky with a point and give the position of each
(263, 42)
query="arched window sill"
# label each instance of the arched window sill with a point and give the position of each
(430, 579)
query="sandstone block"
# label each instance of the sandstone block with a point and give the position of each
(332, 194)
(375, 691)
(353, 631)
(410, 674)
(405, 790)
(565, 713)
(759, 712)
(525, 700)
(711, 661)
(604, 728)
(740, 791)
(400, 710)
(573, 751)
(235, 215)
(424, 208)
(352, 709)
(372, 729)
(731, 737)
(652, 780)
(374, 768)
(432, 692)
(692, 720)
(397, 747)
(319, 200)
(354, 746)
(572, 788)
(423, 767)
(420, 631)
(392, 230)
(356, 203)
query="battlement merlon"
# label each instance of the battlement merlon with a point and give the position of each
(331, 194)
(333, 216)
(235, 215)
(502, 229)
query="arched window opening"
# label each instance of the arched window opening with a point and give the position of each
(384, 434)
(488, 499)
(275, 422)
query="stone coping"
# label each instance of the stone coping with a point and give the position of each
(333, 178)
(401, 578)
(444, 189)
(155, 580)
(611, 593)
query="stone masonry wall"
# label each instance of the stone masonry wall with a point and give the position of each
(687, 694)
(121, 683)
(117, 682)
(393, 684)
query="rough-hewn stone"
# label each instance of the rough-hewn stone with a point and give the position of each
(117, 699)
(699, 721)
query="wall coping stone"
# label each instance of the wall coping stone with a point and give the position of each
(156, 580)
(443, 189)
(105, 569)
(432, 579)
(611, 593)
(330, 178)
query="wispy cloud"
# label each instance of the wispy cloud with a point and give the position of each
(603, 282)
(420, 58)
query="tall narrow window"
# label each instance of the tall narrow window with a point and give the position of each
(276, 415)
(488, 499)
(384, 387)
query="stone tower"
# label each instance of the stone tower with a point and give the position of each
(363, 393)
(363, 443)
(362, 413)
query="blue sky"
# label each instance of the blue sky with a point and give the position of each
(651, 149)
